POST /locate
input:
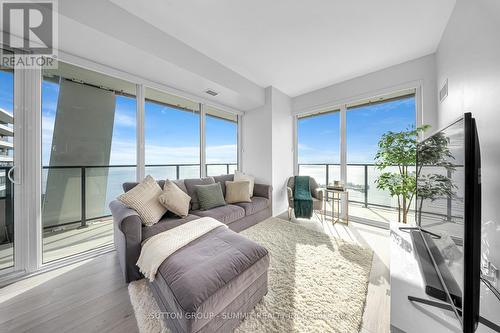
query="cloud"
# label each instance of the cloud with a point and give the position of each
(124, 120)
(222, 154)
(302, 146)
(124, 152)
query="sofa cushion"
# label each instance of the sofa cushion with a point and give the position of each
(191, 189)
(143, 198)
(166, 224)
(222, 180)
(225, 214)
(257, 204)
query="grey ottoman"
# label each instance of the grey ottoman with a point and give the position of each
(212, 283)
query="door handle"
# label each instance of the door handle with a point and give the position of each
(10, 176)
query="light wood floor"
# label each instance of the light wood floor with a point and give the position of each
(91, 296)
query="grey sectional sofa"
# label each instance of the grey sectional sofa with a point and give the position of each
(129, 231)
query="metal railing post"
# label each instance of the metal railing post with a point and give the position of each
(366, 185)
(448, 199)
(327, 177)
(177, 171)
(227, 169)
(83, 222)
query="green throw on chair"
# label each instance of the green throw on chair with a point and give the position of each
(308, 194)
(302, 199)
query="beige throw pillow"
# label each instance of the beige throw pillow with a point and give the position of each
(175, 199)
(242, 177)
(237, 191)
(144, 200)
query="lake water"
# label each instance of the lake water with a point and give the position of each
(355, 182)
(356, 186)
(110, 180)
(98, 182)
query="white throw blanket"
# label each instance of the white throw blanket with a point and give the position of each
(159, 247)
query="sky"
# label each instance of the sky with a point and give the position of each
(171, 135)
(319, 136)
(6, 91)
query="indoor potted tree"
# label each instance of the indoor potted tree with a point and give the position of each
(399, 149)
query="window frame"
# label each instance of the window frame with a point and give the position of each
(386, 95)
(27, 96)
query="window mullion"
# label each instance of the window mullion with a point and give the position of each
(343, 153)
(140, 171)
(203, 153)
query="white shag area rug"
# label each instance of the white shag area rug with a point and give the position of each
(316, 283)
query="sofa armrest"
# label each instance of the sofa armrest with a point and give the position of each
(289, 193)
(127, 231)
(261, 190)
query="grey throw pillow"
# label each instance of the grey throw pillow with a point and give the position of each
(210, 196)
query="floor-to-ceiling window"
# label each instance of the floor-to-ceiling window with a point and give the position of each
(221, 137)
(88, 142)
(6, 163)
(318, 138)
(365, 125)
(172, 136)
(319, 149)
(88, 151)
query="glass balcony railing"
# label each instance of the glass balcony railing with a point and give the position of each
(360, 182)
(88, 190)
(362, 186)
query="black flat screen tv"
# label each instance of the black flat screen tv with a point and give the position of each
(448, 216)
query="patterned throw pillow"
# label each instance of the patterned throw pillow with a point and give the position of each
(240, 176)
(237, 192)
(210, 196)
(175, 199)
(144, 200)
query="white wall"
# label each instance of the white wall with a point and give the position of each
(268, 145)
(469, 57)
(282, 151)
(257, 141)
(405, 75)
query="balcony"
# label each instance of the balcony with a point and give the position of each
(366, 202)
(88, 191)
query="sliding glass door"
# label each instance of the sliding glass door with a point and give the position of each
(6, 168)
(88, 134)
(88, 151)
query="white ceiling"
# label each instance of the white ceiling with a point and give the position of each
(300, 46)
